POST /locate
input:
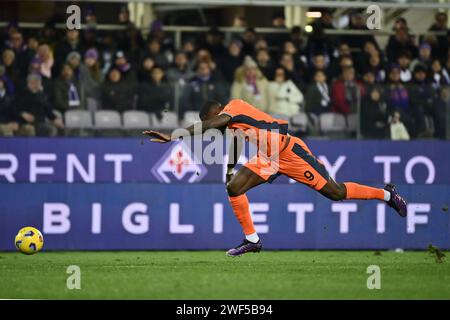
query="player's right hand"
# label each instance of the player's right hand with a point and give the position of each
(157, 136)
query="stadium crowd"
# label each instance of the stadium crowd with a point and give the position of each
(399, 92)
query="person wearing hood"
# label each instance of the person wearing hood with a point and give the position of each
(250, 85)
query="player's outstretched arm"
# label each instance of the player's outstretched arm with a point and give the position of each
(214, 123)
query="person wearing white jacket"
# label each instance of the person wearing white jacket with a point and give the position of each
(284, 96)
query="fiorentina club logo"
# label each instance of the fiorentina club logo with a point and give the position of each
(178, 163)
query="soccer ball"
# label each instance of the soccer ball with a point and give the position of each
(29, 240)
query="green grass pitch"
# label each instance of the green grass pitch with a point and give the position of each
(212, 275)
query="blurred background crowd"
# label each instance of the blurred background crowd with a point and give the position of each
(398, 91)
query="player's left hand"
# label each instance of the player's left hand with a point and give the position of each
(157, 136)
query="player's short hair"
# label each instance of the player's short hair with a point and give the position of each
(208, 105)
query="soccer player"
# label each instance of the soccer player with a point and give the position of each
(278, 153)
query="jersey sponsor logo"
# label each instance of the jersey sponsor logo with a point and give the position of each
(179, 164)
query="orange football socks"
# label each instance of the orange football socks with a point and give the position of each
(242, 212)
(358, 191)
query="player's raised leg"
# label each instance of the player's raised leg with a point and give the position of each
(298, 163)
(243, 181)
(350, 190)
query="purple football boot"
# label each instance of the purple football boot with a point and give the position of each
(245, 247)
(396, 202)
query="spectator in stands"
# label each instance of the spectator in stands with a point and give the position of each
(300, 61)
(249, 38)
(21, 52)
(404, 61)
(318, 94)
(421, 96)
(145, 70)
(231, 60)
(7, 122)
(11, 68)
(284, 96)
(397, 97)
(438, 75)
(440, 24)
(250, 85)
(71, 43)
(90, 37)
(265, 64)
(33, 44)
(90, 17)
(318, 41)
(128, 73)
(124, 15)
(155, 95)
(203, 55)
(369, 79)
(441, 110)
(288, 63)
(344, 62)
(214, 44)
(166, 41)
(188, 49)
(362, 58)
(67, 92)
(357, 22)
(424, 57)
(325, 21)
(117, 93)
(240, 22)
(261, 43)
(132, 43)
(397, 129)
(318, 63)
(374, 115)
(299, 40)
(276, 40)
(203, 87)
(45, 56)
(180, 73)
(346, 92)
(107, 53)
(377, 68)
(400, 23)
(49, 34)
(400, 42)
(153, 50)
(32, 107)
(35, 68)
(74, 61)
(91, 77)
